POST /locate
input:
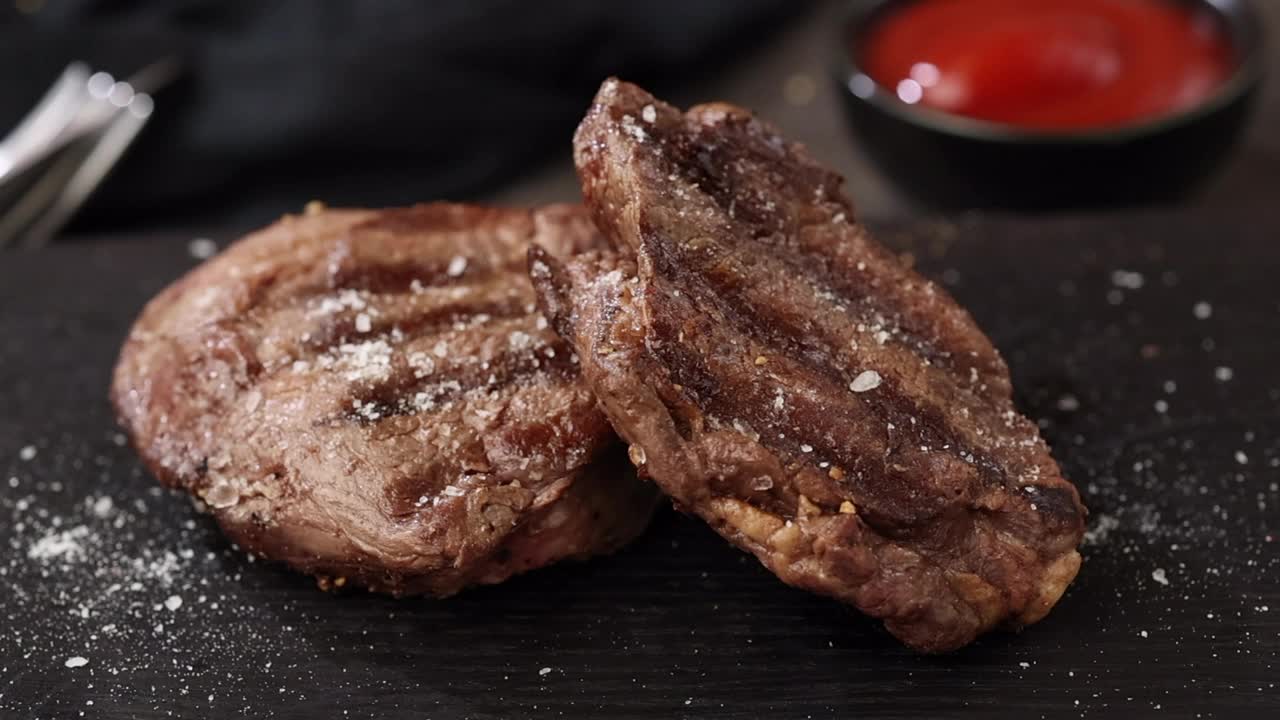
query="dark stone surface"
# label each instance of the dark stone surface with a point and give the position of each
(1169, 423)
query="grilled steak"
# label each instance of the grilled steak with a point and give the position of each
(371, 397)
(789, 381)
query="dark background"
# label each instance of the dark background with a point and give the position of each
(358, 103)
(798, 56)
(398, 101)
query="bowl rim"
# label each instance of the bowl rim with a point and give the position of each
(858, 14)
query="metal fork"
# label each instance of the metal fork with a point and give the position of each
(67, 145)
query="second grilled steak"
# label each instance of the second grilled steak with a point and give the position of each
(785, 378)
(371, 397)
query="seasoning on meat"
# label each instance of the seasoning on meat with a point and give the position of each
(875, 455)
(371, 397)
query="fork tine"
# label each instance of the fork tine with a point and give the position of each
(38, 131)
(73, 139)
(91, 171)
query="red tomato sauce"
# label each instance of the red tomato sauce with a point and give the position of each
(1049, 64)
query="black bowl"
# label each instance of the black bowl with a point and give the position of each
(953, 162)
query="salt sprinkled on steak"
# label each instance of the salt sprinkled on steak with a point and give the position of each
(372, 398)
(749, 329)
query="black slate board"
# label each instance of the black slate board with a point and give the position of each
(1165, 412)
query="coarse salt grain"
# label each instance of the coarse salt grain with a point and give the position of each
(27, 453)
(457, 266)
(1159, 576)
(637, 455)
(367, 361)
(102, 506)
(866, 380)
(630, 127)
(253, 400)
(1202, 310)
(544, 671)
(1101, 529)
(344, 300)
(363, 323)
(1223, 373)
(75, 662)
(172, 603)
(649, 114)
(221, 493)
(1128, 280)
(202, 248)
(66, 544)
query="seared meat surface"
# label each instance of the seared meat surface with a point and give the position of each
(789, 381)
(372, 397)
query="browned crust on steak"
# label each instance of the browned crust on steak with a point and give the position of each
(785, 378)
(371, 397)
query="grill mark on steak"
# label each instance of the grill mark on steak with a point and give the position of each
(810, 335)
(370, 396)
(754, 218)
(411, 317)
(405, 393)
(885, 466)
(382, 254)
(921, 420)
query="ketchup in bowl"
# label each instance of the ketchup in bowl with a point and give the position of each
(1049, 65)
